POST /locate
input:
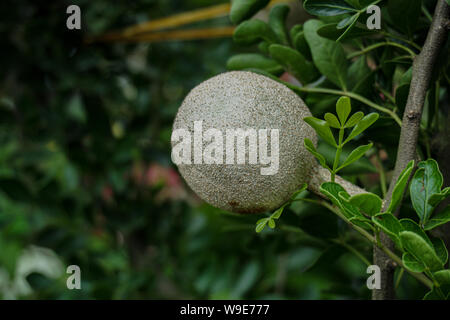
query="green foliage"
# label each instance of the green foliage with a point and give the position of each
(405, 13)
(345, 28)
(412, 263)
(399, 188)
(443, 276)
(246, 61)
(390, 225)
(328, 56)
(369, 203)
(244, 9)
(252, 31)
(331, 31)
(277, 18)
(421, 250)
(299, 41)
(85, 171)
(362, 125)
(355, 155)
(425, 186)
(311, 148)
(439, 219)
(340, 198)
(327, 8)
(270, 221)
(374, 68)
(293, 62)
(85, 136)
(323, 129)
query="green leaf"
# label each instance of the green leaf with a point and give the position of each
(299, 43)
(330, 31)
(406, 77)
(399, 188)
(412, 263)
(426, 181)
(390, 225)
(328, 56)
(355, 155)
(277, 214)
(327, 8)
(244, 9)
(401, 96)
(296, 29)
(405, 13)
(331, 190)
(436, 198)
(441, 218)
(343, 108)
(440, 249)
(368, 203)
(277, 19)
(433, 295)
(76, 109)
(360, 77)
(443, 276)
(310, 147)
(354, 119)
(322, 129)
(421, 250)
(354, 3)
(349, 23)
(360, 166)
(346, 21)
(332, 120)
(411, 225)
(245, 61)
(253, 31)
(402, 91)
(294, 63)
(263, 46)
(260, 224)
(271, 223)
(339, 197)
(362, 125)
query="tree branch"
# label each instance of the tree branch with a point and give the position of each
(421, 76)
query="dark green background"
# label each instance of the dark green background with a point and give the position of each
(85, 171)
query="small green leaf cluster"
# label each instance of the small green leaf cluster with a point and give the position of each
(357, 121)
(270, 221)
(426, 193)
(280, 51)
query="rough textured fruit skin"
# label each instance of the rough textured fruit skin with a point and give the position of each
(241, 99)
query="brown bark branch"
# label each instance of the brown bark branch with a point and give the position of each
(422, 72)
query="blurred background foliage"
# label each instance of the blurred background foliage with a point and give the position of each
(86, 176)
